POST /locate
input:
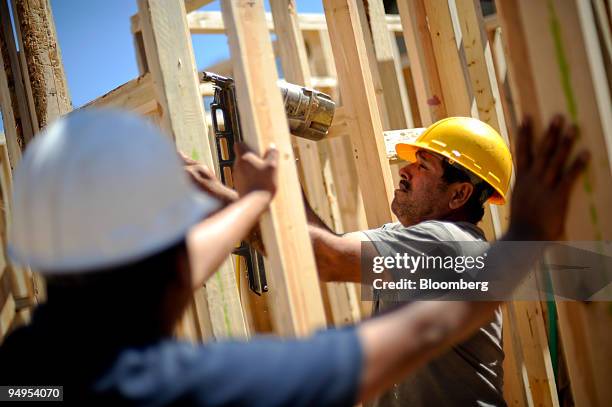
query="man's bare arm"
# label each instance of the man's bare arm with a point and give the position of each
(338, 256)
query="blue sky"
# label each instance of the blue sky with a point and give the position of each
(97, 50)
(96, 43)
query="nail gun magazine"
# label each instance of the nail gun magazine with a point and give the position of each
(309, 114)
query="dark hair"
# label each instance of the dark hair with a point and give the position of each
(130, 296)
(474, 207)
(154, 270)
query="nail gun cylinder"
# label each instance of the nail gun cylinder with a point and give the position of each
(309, 112)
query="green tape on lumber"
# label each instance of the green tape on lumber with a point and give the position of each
(194, 155)
(570, 100)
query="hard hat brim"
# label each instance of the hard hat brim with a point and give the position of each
(193, 209)
(407, 152)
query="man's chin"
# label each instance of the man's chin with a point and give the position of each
(402, 216)
(395, 208)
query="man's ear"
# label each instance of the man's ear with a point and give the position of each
(460, 193)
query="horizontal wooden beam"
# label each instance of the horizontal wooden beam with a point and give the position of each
(138, 95)
(191, 5)
(211, 22)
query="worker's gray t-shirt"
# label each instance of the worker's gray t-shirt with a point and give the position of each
(470, 374)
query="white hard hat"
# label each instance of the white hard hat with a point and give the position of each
(97, 189)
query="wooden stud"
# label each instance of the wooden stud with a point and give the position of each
(529, 328)
(423, 66)
(295, 67)
(445, 39)
(394, 87)
(12, 92)
(43, 59)
(377, 83)
(292, 53)
(560, 69)
(169, 55)
(359, 100)
(350, 215)
(21, 277)
(505, 83)
(514, 390)
(472, 39)
(294, 290)
(474, 42)
(211, 22)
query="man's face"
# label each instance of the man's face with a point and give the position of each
(422, 194)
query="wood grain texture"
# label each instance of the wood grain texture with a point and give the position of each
(137, 95)
(359, 100)
(427, 87)
(387, 58)
(47, 80)
(295, 66)
(452, 70)
(18, 125)
(556, 57)
(294, 294)
(169, 55)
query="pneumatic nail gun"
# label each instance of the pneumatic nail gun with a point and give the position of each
(309, 113)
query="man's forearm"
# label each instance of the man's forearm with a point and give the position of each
(323, 243)
(338, 259)
(213, 239)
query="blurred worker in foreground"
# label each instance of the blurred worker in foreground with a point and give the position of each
(454, 167)
(104, 210)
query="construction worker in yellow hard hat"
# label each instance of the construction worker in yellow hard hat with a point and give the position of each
(104, 211)
(470, 159)
(454, 167)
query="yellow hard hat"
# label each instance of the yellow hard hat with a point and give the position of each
(472, 144)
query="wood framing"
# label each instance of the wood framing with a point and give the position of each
(137, 95)
(191, 5)
(294, 290)
(559, 54)
(294, 61)
(359, 100)
(560, 69)
(345, 192)
(12, 92)
(527, 317)
(423, 66)
(515, 392)
(169, 56)
(42, 56)
(211, 22)
(446, 39)
(387, 58)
